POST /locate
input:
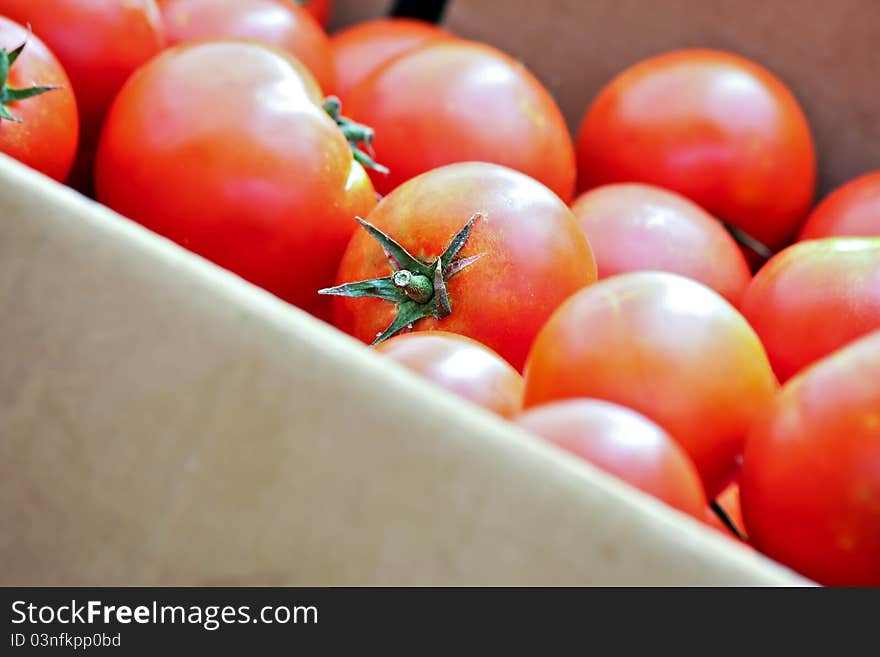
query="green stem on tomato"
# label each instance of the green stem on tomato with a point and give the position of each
(12, 95)
(356, 134)
(417, 288)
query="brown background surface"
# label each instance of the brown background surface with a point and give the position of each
(827, 51)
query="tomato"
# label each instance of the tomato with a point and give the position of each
(811, 474)
(729, 502)
(320, 9)
(457, 101)
(38, 123)
(99, 43)
(462, 366)
(713, 126)
(261, 181)
(814, 298)
(362, 48)
(623, 443)
(280, 23)
(850, 210)
(634, 227)
(667, 347)
(530, 257)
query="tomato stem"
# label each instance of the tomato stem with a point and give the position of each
(417, 288)
(7, 93)
(356, 134)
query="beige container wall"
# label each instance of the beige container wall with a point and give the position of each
(163, 422)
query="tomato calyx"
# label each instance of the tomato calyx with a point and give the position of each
(7, 93)
(417, 288)
(356, 134)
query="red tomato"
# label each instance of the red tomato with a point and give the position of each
(457, 101)
(460, 365)
(623, 443)
(811, 474)
(850, 210)
(667, 347)
(99, 43)
(320, 9)
(38, 124)
(713, 126)
(261, 181)
(279, 23)
(814, 298)
(533, 255)
(362, 48)
(634, 227)
(729, 502)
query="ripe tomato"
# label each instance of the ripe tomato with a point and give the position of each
(457, 101)
(460, 365)
(320, 9)
(850, 210)
(634, 227)
(667, 347)
(713, 126)
(261, 181)
(280, 23)
(533, 256)
(38, 123)
(362, 48)
(99, 43)
(811, 474)
(814, 298)
(623, 443)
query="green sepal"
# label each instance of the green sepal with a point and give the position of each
(13, 95)
(10, 95)
(12, 56)
(414, 302)
(397, 255)
(379, 288)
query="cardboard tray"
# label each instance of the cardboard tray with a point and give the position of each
(163, 422)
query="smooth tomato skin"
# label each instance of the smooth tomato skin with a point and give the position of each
(535, 255)
(813, 298)
(361, 49)
(811, 473)
(623, 443)
(635, 227)
(99, 43)
(320, 9)
(459, 101)
(850, 210)
(712, 126)
(262, 183)
(280, 23)
(667, 347)
(460, 365)
(47, 136)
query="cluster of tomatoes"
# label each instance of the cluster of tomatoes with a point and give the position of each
(689, 323)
